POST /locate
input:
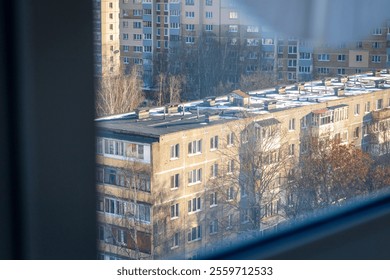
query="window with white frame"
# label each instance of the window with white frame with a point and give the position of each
(341, 71)
(213, 199)
(213, 226)
(195, 147)
(209, 14)
(233, 15)
(175, 151)
(230, 166)
(229, 221)
(244, 216)
(174, 25)
(190, 39)
(195, 176)
(323, 70)
(194, 205)
(291, 124)
(291, 150)
(209, 27)
(292, 49)
(190, 27)
(209, 2)
(367, 107)
(252, 29)
(304, 69)
(175, 181)
(304, 55)
(323, 57)
(233, 28)
(214, 142)
(214, 170)
(304, 121)
(176, 240)
(292, 63)
(357, 109)
(341, 57)
(190, 2)
(175, 210)
(379, 104)
(359, 58)
(120, 236)
(377, 31)
(190, 14)
(376, 58)
(230, 193)
(194, 234)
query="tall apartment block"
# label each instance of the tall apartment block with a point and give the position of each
(166, 175)
(106, 37)
(170, 36)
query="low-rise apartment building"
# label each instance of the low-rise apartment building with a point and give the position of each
(185, 179)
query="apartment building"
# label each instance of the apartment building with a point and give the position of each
(301, 60)
(171, 36)
(174, 182)
(106, 37)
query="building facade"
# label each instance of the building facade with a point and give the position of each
(176, 181)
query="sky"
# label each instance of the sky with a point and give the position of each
(330, 21)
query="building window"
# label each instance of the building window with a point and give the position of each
(323, 70)
(341, 57)
(292, 49)
(214, 170)
(190, 27)
(233, 15)
(189, 2)
(230, 221)
(209, 27)
(213, 227)
(233, 28)
(137, 25)
(120, 236)
(175, 181)
(341, 71)
(357, 109)
(230, 193)
(376, 45)
(292, 63)
(195, 147)
(214, 142)
(323, 57)
(244, 216)
(367, 107)
(209, 14)
(190, 14)
(213, 199)
(209, 2)
(136, 37)
(291, 150)
(379, 104)
(304, 55)
(175, 151)
(291, 124)
(175, 211)
(190, 39)
(176, 240)
(230, 166)
(376, 58)
(126, 60)
(359, 58)
(252, 29)
(356, 132)
(195, 176)
(377, 31)
(194, 205)
(195, 234)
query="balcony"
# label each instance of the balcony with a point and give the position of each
(381, 115)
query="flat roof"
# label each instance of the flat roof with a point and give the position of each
(196, 113)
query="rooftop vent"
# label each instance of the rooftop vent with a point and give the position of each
(210, 118)
(300, 86)
(280, 89)
(209, 101)
(172, 108)
(339, 91)
(142, 113)
(342, 79)
(376, 73)
(270, 105)
(327, 82)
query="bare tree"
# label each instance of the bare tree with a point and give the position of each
(257, 80)
(329, 173)
(254, 159)
(119, 94)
